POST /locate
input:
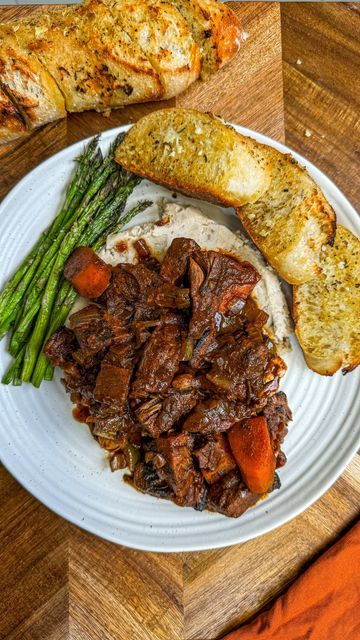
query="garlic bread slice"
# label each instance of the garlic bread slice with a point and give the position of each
(327, 309)
(11, 123)
(197, 154)
(291, 221)
(120, 57)
(24, 78)
(215, 28)
(92, 60)
(162, 33)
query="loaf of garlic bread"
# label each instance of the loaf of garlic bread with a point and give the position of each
(107, 54)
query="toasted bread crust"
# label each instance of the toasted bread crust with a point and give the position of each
(101, 67)
(197, 154)
(292, 221)
(327, 309)
(227, 32)
(159, 29)
(12, 125)
(216, 29)
(31, 88)
(106, 54)
(202, 193)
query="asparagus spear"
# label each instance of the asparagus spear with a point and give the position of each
(33, 303)
(71, 240)
(12, 370)
(67, 294)
(42, 267)
(87, 161)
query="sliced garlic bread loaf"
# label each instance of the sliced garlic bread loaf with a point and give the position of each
(56, 40)
(131, 77)
(11, 123)
(197, 154)
(30, 86)
(327, 309)
(215, 28)
(164, 36)
(291, 221)
(93, 61)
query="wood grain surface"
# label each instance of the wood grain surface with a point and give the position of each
(60, 583)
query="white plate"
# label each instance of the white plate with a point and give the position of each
(58, 461)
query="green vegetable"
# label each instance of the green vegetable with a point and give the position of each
(16, 288)
(67, 296)
(132, 456)
(37, 299)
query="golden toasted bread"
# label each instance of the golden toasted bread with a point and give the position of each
(215, 28)
(197, 154)
(327, 309)
(291, 221)
(11, 123)
(162, 33)
(106, 54)
(30, 86)
(100, 67)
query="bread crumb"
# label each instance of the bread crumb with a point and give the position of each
(307, 133)
(244, 36)
(299, 61)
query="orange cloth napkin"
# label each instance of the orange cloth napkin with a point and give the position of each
(323, 604)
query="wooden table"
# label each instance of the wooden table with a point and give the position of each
(59, 582)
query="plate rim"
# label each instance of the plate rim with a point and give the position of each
(237, 537)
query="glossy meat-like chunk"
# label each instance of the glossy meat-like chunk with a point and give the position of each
(147, 480)
(161, 357)
(121, 294)
(215, 458)
(168, 295)
(186, 482)
(277, 414)
(216, 281)
(239, 369)
(59, 348)
(230, 496)
(175, 263)
(158, 416)
(213, 415)
(95, 329)
(112, 385)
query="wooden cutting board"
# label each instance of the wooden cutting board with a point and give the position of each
(59, 582)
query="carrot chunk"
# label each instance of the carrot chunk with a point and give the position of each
(251, 447)
(88, 274)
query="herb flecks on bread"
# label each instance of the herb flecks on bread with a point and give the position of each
(292, 221)
(197, 154)
(327, 309)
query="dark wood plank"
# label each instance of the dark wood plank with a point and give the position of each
(322, 94)
(34, 545)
